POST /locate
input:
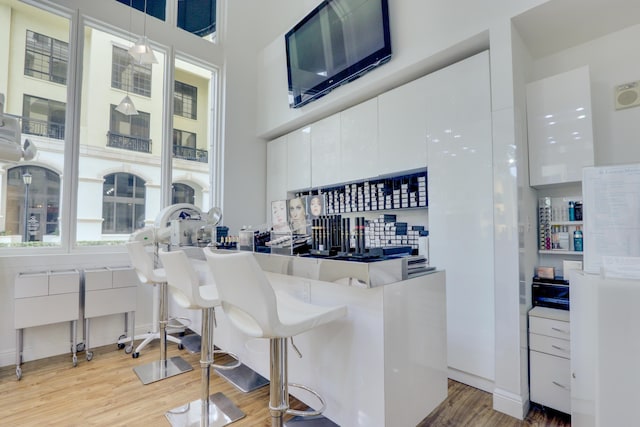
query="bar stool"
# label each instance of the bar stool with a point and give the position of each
(163, 368)
(252, 305)
(191, 291)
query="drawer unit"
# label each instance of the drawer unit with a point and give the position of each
(550, 358)
(44, 298)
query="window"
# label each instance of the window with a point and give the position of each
(129, 132)
(155, 8)
(198, 17)
(185, 100)
(46, 58)
(33, 210)
(184, 147)
(182, 193)
(43, 117)
(128, 76)
(123, 198)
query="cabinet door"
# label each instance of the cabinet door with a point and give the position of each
(559, 127)
(402, 128)
(460, 188)
(277, 171)
(359, 141)
(325, 151)
(299, 159)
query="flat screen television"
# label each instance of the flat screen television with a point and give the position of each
(337, 42)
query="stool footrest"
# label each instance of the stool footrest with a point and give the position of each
(232, 365)
(307, 413)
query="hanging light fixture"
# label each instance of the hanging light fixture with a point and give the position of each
(126, 106)
(141, 51)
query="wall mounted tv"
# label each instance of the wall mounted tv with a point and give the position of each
(337, 42)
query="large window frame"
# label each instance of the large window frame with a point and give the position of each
(185, 100)
(80, 16)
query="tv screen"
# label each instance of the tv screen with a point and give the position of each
(337, 42)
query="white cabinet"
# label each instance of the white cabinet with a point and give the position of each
(402, 127)
(325, 151)
(359, 141)
(460, 190)
(276, 170)
(549, 358)
(560, 131)
(299, 159)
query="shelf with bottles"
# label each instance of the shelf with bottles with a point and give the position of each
(560, 225)
(401, 191)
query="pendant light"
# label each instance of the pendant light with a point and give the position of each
(141, 51)
(126, 106)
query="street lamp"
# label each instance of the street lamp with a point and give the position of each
(26, 178)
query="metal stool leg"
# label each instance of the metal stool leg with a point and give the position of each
(163, 368)
(278, 388)
(214, 410)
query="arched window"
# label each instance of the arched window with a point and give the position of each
(182, 193)
(122, 203)
(39, 215)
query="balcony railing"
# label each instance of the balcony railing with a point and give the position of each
(42, 128)
(188, 153)
(128, 142)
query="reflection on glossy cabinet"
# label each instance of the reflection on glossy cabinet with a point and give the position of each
(299, 159)
(359, 141)
(325, 151)
(277, 167)
(402, 127)
(560, 131)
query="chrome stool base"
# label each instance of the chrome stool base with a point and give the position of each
(159, 370)
(221, 412)
(243, 378)
(317, 421)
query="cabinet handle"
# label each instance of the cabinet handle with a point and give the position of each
(560, 385)
(559, 330)
(558, 347)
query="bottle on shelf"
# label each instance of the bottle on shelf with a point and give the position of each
(572, 211)
(577, 240)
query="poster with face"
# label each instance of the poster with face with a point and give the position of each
(279, 215)
(298, 215)
(316, 205)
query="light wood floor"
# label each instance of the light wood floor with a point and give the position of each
(106, 392)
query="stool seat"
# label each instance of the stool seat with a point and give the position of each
(255, 308)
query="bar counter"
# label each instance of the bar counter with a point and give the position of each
(385, 364)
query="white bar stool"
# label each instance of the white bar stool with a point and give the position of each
(192, 292)
(162, 368)
(252, 305)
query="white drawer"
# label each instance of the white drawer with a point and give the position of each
(46, 310)
(64, 281)
(28, 285)
(550, 345)
(549, 327)
(97, 278)
(550, 381)
(124, 277)
(109, 301)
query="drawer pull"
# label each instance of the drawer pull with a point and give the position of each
(560, 385)
(558, 347)
(559, 330)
